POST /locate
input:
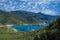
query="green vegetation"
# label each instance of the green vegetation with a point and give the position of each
(51, 32)
(23, 17)
(9, 34)
(18, 17)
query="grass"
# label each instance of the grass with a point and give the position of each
(9, 34)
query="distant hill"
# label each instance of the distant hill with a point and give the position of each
(24, 17)
(51, 32)
(46, 18)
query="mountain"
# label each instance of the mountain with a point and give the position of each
(51, 32)
(24, 17)
(46, 18)
(19, 17)
(39, 16)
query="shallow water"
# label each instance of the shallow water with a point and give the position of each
(26, 28)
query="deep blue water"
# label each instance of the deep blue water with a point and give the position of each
(26, 28)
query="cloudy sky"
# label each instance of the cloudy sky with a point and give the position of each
(50, 7)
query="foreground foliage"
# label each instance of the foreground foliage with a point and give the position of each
(51, 32)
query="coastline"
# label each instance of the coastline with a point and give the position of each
(10, 26)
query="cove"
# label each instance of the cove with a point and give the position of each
(27, 28)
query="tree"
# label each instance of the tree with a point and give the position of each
(58, 23)
(58, 20)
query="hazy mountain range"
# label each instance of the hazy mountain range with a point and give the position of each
(51, 32)
(24, 17)
(50, 7)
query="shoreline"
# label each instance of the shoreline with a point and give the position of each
(10, 26)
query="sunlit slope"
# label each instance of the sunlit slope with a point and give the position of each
(46, 33)
(18, 18)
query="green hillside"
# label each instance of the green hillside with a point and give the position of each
(18, 18)
(51, 32)
(24, 17)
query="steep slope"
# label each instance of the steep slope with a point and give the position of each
(46, 18)
(38, 16)
(24, 17)
(18, 18)
(51, 32)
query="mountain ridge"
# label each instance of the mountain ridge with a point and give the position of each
(24, 17)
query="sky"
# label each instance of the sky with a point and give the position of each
(50, 7)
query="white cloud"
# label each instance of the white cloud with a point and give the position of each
(11, 3)
(27, 5)
(49, 12)
(58, 1)
(3, 0)
(37, 2)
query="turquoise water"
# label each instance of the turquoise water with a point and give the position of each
(26, 28)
